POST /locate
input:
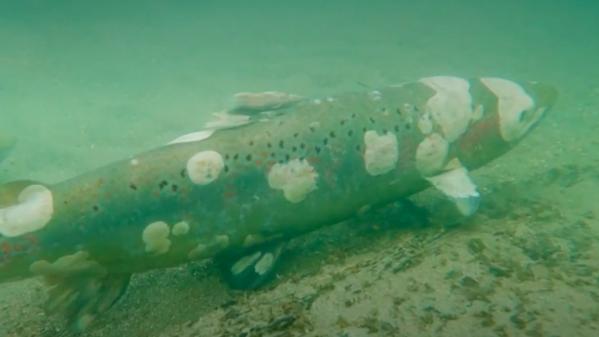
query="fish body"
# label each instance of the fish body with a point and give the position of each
(314, 163)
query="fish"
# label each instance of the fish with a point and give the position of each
(238, 189)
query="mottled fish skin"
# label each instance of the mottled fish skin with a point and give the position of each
(316, 164)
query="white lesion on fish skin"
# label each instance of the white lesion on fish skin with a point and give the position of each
(204, 167)
(180, 228)
(431, 154)
(32, 212)
(156, 238)
(381, 152)
(73, 264)
(449, 109)
(296, 178)
(207, 249)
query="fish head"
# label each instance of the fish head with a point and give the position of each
(511, 110)
(520, 107)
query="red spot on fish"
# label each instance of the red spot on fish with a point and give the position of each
(33, 239)
(313, 160)
(6, 249)
(258, 162)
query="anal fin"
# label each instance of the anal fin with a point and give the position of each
(255, 269)
(456, 184)
(80, 289)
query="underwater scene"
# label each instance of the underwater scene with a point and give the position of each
(299, 168)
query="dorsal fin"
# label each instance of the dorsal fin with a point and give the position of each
(252, 103)
(248, 107)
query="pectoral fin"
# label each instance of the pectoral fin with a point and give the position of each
(251, 103)
(456, 184)
(80, 288)
(253, 270)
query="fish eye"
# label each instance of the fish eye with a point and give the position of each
(525, 115)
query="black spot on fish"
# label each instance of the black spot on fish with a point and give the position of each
(332, 134)
(174, 188)
(312, 129)
(317, 148)
(287, 157)
(371, 120)
(226, 168)
(396, 128)
(294, 148)
(302, 146)
(281, 144)
(295, 135)
(96, 208)
(269, 145)
(251, 143)
(227, 156)
(398, 111)
(182, 173)
(342, 122)
(236, 156)
(272, 154)
(133, 187)
(163, 184)
(353, 115)
(408, 126)
(350, 132)
(385, 131)
(248, 157)
(364, 130)
(325, 141)
(358, 148)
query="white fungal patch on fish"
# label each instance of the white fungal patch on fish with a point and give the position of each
(207, 249)
(155, 237)
(205, 167)
(33, 211)
(515, 108)
(431, 154)
(381, 152)
(252, 240)
(134, 162)
(67, 265)
(425, 123)
(296, 179)
(451, 105)
(180, 228)
(193, 137)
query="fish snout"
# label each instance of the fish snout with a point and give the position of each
(520, 106)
